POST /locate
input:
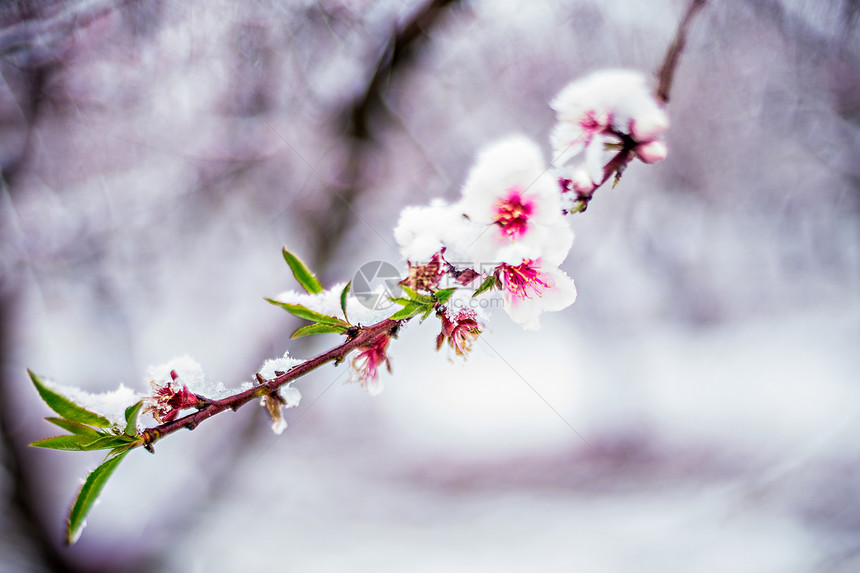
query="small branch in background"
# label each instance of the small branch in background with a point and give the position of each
(673, 55)
(358, 116)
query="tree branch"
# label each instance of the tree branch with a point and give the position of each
(673, 55)
(358, 117)
(365, 337)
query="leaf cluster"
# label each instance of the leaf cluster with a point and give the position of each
(88, 431)
(415, 303)
(319, 323)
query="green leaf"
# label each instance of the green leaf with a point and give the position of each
(131, 414)
(343, 294)
(417, 297)
(65, 407)
(488, 283)
(105, 443)
(72, 443)
(124, 448)
(305, 277)
(424, 299)
(318, 328)
(74, 427)
(308, 314)
(409, 292)
(88, 495)
(444, 294)
(408, 311)
(84, 443)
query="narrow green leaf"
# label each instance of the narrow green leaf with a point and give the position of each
(123, 448)
(318, 328)
(409, 292)
(88, 495)
(105, 443)
(488, 283)
(442, 295)
(426, 314)
(308, 314)
(305, 277)
(343, 294)
(72, 443)
(73, 427)
(65, 407)
(425, 300)
(408, 312)
(131, 414)
(401, 301)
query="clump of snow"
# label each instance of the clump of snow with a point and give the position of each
(271, 367)
(422, 231)
(190, 374)
(291, 396)
(110, 404)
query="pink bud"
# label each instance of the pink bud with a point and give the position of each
(649, 125)
(652, 152)
(582, 183)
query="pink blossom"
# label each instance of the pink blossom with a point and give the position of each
(427, 275)
(606, 113)
(460, 330)
(169, 400)
(513, 212)
(531, 288)
(513, 206)
(652, 151)
(366, 364)
(522, 281)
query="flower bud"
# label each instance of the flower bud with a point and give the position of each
(652, 152)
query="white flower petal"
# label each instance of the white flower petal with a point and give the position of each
(560, 294)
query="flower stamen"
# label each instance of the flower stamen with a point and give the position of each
(522, 280)
(513, 213)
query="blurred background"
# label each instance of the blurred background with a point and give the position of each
(697, 409)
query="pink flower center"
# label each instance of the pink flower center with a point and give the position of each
(522, 280)
(513, 213)
(593, 123)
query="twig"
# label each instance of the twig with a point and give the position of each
(366, 337)
(358, 116)
(673, 55)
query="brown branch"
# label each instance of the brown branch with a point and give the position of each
(366, 337)
(363, 115)
(673, 55)
(666, 74)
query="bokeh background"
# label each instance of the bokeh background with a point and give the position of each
(695, 410)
